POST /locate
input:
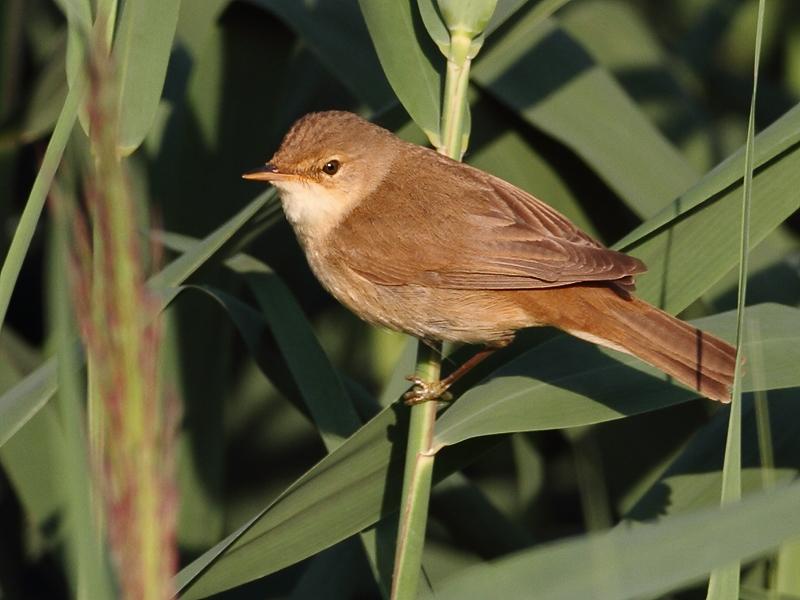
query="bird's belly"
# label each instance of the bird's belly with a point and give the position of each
(472, 316)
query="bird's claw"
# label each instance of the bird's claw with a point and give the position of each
(424, 391)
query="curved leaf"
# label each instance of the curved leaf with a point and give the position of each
(141, 51)
(566, 382)
(640, 562)
(780, 138)
(346, 491)
(693, 479)
(350, 489)
(582, 106)
(407, 56)
(323, 393)
(24, 400)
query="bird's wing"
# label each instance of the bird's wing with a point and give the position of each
(495, 236)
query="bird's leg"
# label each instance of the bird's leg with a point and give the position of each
(423, 391)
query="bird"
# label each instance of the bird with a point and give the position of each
(409, 239)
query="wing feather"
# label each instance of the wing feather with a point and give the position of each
(492, 235)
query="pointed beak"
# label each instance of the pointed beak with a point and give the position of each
(268, 172)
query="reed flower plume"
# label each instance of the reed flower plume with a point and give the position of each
(131, 419)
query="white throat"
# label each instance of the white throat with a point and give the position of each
(312, 209)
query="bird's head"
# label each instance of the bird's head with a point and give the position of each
(327, 163)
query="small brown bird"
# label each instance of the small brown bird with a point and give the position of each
(414, 241)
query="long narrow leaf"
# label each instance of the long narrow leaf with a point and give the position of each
(41, 187)
(724, 582)
(141, 52)
(583, 107)
(405, 53)
(567, 382)
(22, 401)
(641, 562)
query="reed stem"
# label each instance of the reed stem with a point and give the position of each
(419, 455)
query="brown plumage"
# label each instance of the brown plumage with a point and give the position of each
(412, 240)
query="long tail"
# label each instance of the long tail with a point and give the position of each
(695, 358)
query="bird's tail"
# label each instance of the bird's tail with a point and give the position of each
(695, 358)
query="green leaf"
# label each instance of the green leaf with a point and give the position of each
(409, 59)
(24, 400)
(434, 25)
(141, 51)
(724, 582)
(679, 273)
(771, 145)
(693, 479)
(12, 264)
(322, 390)
(324, 395)
(79, 21)
(19, 404)
(566, 382)
(28, 459)
(620, 37)
(644, 561)
(506, 8)
(582, 106)
(347, 491)
(47, 99)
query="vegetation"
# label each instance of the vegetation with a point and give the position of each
(561, 471)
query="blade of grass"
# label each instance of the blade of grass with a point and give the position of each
(329, 405)
(41, 186)
(582, 106)
(780, 137)
(142, 51)
(565, 382)
(692, 480)
(24, 400)
(640, 562)
(724, 582)
(359, 483)
(404, 55)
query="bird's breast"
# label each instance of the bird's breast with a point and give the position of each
(473, 316)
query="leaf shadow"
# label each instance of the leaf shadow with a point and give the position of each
(703, 457)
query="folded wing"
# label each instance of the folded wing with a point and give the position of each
(473, 232)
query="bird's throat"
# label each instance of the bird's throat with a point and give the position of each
(312, 209)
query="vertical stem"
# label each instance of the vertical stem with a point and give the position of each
(419, 457)
(416, 482)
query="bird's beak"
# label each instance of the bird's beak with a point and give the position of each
(267, 173)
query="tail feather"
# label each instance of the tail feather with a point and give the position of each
(694, 357)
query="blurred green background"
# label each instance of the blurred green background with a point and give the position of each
(609, 111)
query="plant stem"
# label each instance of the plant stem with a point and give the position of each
(419, 456)
(416, 482)
(454, 111)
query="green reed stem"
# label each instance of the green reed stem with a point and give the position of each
(416, 482)
(419, 455)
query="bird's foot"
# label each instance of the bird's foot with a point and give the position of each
(424, 391)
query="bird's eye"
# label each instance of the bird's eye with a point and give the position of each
(331, 167)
